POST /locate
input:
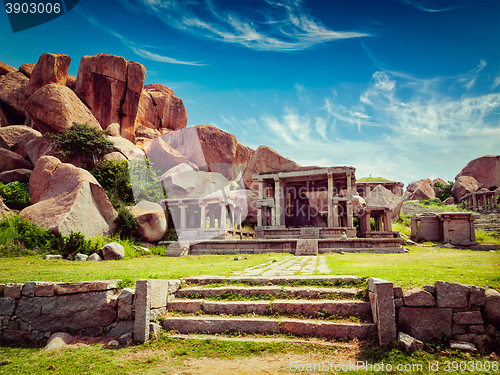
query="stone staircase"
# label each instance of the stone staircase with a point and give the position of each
(311, 306)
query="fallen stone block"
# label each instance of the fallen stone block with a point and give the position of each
(462, 345)
(410, 343)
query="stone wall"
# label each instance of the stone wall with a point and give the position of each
(464, 313)
(31, 312)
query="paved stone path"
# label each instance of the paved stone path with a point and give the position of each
(292, 265)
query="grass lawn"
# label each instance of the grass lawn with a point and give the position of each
(419, 267)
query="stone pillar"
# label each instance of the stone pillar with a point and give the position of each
(231, 215)
(349, 186)
(222, 222)
(474, 202)
(387, 221)
(379, 222)
(381, 293)
(183, 216)
(472, 229)
(414, 229)
(335, 218)
(238, 215)
(273, 216)
(192, 213)
(331, 220)
(364, 223)
(278, 203)
(349, 207)
(212, 216)
(446, 227)
(203, 215)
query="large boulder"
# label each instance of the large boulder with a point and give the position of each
(50, 68)
(420, 190)
(486, 170)
(152, 221)
(4, 69)
(15, 138)
(10, 160)
(54, 108)
(223, 153)
(19, 175)
(463, 186)
(65, 198)
(265, 159)
(27, 69)
(125, 147)
(163, 157)
(382, 197)
(12, 97)
(111, 87)
(169, 111)
(183, 181)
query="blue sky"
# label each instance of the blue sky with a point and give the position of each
(399, 89)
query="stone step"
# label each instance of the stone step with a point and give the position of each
(263, 280)
(174, 249)
(307, 247)
(308, 308)
(302, 292)
(295, 327)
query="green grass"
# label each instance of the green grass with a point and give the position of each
(487, 237)
(433, 204)
(22, 269)
(165, 355)
(422, 266)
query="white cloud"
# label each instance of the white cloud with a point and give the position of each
(405, 140)
(496, 83)
(286, 26)
(138, 50)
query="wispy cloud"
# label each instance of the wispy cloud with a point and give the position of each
(280, 26)
(138, 50)
(421, 137)
(496, 83)
(428, 6)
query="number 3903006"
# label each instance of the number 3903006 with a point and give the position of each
(33, 8)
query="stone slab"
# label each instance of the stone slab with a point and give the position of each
(383, 310)
(410, 343)
(13, 290)
(451, 294)
(67, 312)
(346, 331)
(425, 323)
(125, 301)
(212, 325)
(468, 317)
(462, 345)
(418, 298)
(237, 307)
(345, 308)
(44, 289)
(477, 295)
(7, 305)
(186, 306)
(85, 286)
(122, 328)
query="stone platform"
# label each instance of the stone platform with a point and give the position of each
(324, 245)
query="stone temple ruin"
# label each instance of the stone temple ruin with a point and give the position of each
(304, 212)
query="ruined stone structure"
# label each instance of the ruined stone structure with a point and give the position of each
(484, 201)
(286, 203)
(363, 188)
(453, 227)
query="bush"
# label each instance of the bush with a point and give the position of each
(82, 139)
(19, 236)
(145, 181)
(113, 176)
(443, 191)
(127, 223)
(15, 195)
(76, 243)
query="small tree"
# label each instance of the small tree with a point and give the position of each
(443, 191)
(82, 139)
